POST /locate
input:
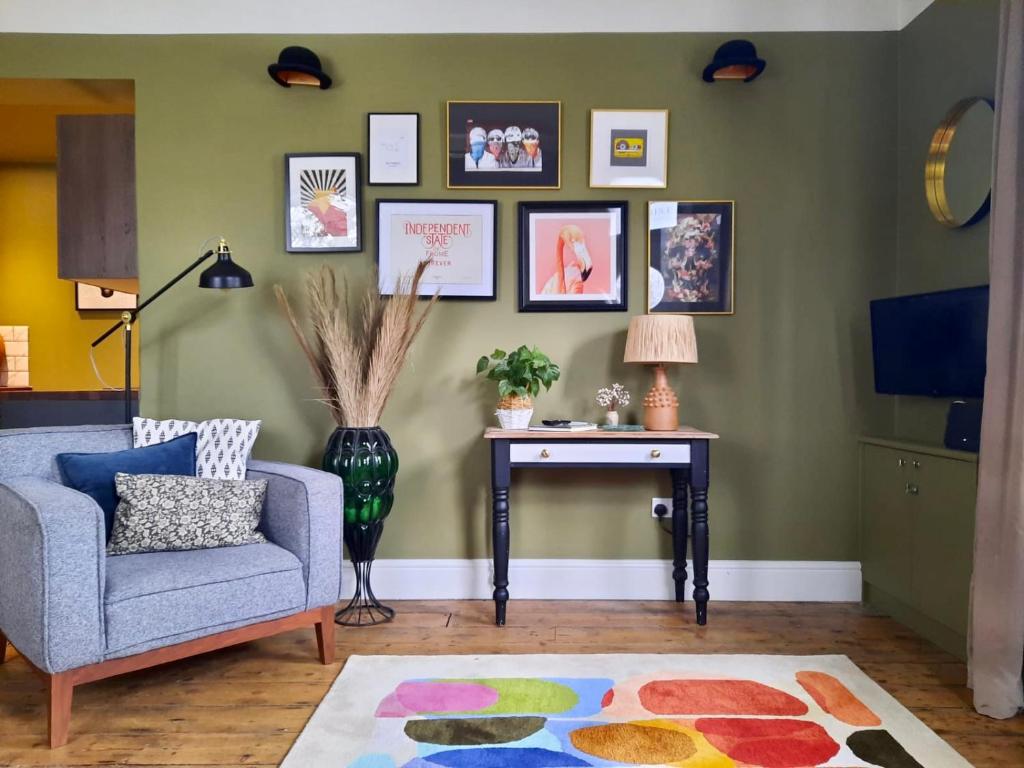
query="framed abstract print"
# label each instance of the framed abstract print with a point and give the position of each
(458, 237)
(690, 253)
(629, 148)
(504, 144)
(572, 256)
(322, 202)
(393, 148)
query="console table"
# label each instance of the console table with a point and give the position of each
(684, 453)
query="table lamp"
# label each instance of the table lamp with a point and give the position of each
(223, 273)
(656, 340)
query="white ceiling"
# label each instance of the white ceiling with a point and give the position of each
(458, 16)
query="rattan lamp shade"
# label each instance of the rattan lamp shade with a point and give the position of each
(661, 339)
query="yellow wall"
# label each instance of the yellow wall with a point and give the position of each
(31, 294)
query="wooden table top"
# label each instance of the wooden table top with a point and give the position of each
(683, 433)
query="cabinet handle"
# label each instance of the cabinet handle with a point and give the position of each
(911, 489)
(655, 453)
(545, 453)
(916, 464)
(901, 462)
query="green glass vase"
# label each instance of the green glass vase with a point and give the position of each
(367, 464)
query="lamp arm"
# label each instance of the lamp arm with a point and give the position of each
(170, 283)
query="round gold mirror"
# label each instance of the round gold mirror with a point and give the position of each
(958, 173)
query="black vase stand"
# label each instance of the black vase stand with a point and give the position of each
(364, 609)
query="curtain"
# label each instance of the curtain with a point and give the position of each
(997, 593)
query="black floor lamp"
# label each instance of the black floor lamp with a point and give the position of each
(223, 273)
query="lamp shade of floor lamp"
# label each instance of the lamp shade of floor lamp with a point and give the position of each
(657, 340)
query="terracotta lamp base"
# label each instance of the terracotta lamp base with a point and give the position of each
(661, 406)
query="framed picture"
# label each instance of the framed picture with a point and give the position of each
(323, 202)
(394, 148)
(629, 148)
(690, 252)
(504, 144)
(458, 237)
(92, 298)
(572, 256)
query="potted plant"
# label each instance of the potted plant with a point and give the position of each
(356, 352)
(520, 375)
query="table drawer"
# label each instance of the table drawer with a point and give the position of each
(571, 452)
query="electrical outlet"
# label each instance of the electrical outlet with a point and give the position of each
(668, 505)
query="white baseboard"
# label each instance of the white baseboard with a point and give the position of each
(763, 580)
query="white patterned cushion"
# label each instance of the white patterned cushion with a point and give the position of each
(222, 448)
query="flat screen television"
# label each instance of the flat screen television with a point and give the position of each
(931, 343)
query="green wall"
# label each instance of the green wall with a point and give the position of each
(946, 54)
(807, 153)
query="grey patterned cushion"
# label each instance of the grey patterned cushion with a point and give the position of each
(160, 513)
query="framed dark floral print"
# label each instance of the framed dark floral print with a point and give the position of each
(572, 256)
(323, 202)
(690, 255)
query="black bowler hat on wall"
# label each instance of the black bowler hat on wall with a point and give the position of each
(734, 60)
(299, 66)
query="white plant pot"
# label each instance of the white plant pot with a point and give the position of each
(611, 418)
(514, 418)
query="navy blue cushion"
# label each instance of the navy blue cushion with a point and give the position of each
(93, 473)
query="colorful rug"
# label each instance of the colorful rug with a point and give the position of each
(565, 711)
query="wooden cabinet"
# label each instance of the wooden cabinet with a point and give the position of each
(917, 532)
(96, 222)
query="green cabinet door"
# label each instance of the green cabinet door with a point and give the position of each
(887, 524)
(944, 538)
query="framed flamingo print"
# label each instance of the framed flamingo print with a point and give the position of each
(323, 207)
(572, 256)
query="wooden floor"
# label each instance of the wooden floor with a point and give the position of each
(246, 705)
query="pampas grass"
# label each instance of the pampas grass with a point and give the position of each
(357, 352)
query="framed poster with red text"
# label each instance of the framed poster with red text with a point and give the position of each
(458, 237)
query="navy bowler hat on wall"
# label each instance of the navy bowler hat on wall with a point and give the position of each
(734, 60)
(298, 66)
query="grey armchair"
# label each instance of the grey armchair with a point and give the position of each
(78, 615)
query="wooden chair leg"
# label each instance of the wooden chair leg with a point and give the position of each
(61, 691)
(325, 634)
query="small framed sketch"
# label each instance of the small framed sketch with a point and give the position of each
(92, 298)
(629, 148)
(690, 251)
(504, 144)
(323, 202)
(572, 256)
(394, 148)
(458, 237)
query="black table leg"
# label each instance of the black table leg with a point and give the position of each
(680, 530)
(500, 479)
(699, 508)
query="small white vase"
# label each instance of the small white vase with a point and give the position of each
(514, 418)
(611, 418)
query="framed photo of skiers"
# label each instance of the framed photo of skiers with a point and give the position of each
(629, 148)
(572, 256)
(323, 202)
(690, 253)
(504, 144)
(458, 238)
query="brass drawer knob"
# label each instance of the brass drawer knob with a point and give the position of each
(916, 464)
(655, 453)
(545, 453)
(901, 462)
(911, 489)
